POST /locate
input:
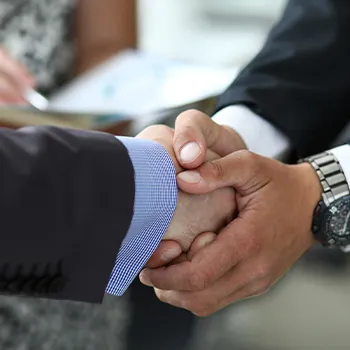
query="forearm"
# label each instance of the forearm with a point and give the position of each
(66, 199)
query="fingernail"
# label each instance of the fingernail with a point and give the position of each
(206, 240)
(163, 295)
(191, 177)
(169, 255)
(190, 152)
(171, 297)
(144, 279)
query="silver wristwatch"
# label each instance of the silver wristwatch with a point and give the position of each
(331, 176)
(331, 221)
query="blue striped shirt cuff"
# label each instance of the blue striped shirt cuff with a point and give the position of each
(154, 206)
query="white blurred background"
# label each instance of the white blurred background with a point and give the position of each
(225, 32)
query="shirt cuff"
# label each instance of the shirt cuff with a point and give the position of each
(259, 135)
(342, 153)
(154, 206)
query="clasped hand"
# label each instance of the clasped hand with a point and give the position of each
(241, 222)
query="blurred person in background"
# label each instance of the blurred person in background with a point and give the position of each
(44, 44)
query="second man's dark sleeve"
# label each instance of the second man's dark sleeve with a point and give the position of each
(300, 81)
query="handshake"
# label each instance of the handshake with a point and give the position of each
(241, 220)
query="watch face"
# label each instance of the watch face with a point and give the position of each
(338, 221)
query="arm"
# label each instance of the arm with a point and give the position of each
(269, 235)
(265, 223)
(102, 28)
(66, 202)
(82, 212)
(14, 80)
(297, 82)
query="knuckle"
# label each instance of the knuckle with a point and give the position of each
(158, 130)
(183, 134)
(216, 170)
(198, 281)
(192, 113)
(262, 270)
(184, 116)
(188, 117)
(197, 115)
(152, 128)
(246, 155)
(188, 124)
(250, 160)
(254, 245)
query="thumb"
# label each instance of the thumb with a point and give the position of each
(165, 253)
(195, 133)
(243, 170)
(200, 242)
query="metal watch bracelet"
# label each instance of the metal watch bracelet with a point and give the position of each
(331, 176)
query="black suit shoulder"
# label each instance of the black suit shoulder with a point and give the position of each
(300, 79)
(66, 202)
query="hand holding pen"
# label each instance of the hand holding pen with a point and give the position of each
(15, 80)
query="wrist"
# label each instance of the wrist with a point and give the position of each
(311, 181)
(163, 136)
(311, 193)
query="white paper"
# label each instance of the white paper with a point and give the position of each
(134, 83)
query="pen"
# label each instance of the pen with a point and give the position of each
(35, 99)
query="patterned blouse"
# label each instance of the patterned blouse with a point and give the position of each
(38, 34)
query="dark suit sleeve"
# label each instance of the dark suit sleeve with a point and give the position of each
(300, 79)
(66, 202)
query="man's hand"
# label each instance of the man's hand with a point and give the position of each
(14, 79)
(196, 139)
(273, 229)
(196, 133)
(194, 213)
